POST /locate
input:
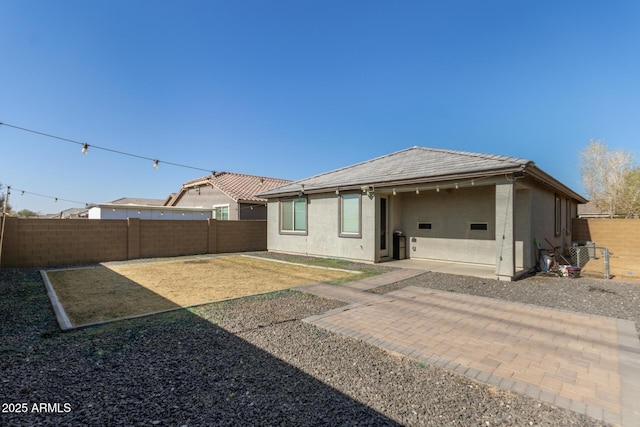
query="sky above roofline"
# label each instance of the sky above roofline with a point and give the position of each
(290, 89)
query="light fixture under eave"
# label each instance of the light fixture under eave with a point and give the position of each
(473, 182)
(85, 148)
(417, 191)
(437, 188)
(337, 191)
(456, 185)
(394, 191)
(155, 164)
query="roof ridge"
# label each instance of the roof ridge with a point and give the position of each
(480, 155)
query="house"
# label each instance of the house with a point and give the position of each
(449, 205)
(232, 196)
(124, 211)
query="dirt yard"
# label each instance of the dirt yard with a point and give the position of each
(116, 290)
(621, 267)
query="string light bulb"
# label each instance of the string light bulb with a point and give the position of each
(394, 191)
(417, 191)
(473, 183)
(85, 148)
(456, 185)
(155, 164)
(437, 188)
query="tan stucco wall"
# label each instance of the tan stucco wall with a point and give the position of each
(450, 212)
(322, 238)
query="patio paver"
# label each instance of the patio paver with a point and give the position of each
(589, 364)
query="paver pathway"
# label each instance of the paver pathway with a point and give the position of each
(589, 364)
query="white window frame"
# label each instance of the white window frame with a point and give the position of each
(215, 212)
(341, 212)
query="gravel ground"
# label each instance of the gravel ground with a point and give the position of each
(252, 361)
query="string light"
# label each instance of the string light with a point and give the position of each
(55, 199)
(417, 191)
(155, 164)
(85, 148)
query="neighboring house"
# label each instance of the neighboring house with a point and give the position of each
(135, 207)
(137, 201)
(120, 211)
(232, 196)
(73, 213)
(450, 205)
(590, 210)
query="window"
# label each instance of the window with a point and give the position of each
(424, 226)
(479, 226)
(221, 212)
(569, 217)
(350, 215)
(558, 216)
(293, 215)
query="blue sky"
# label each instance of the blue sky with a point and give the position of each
(289, 89)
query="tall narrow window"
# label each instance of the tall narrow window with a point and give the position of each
(569, 215)
(293, 215)
(558, 216)
(350, 215)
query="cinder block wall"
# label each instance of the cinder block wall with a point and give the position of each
(620, 236)
(49, 242)
(161, 238)
(35, 242)
(241, 236)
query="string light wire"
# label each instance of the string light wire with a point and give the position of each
(86, 146)
(54, 198)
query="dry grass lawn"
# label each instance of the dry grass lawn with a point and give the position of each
(112, 291)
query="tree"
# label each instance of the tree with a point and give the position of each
(610, 179)
(26, 213)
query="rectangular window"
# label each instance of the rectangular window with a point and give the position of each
(221, 213)
(293, 215)
(350, 215)
(479, 226)
(558, 216)
(569, 217)
(424, 226)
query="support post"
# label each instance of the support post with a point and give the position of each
(505, 231)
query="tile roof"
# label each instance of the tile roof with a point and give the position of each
(238, 186)
(137, 201)
(414, 163)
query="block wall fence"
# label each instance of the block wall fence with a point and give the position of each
(620, 236)
(53, 242)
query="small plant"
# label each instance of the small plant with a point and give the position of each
(420, 365)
